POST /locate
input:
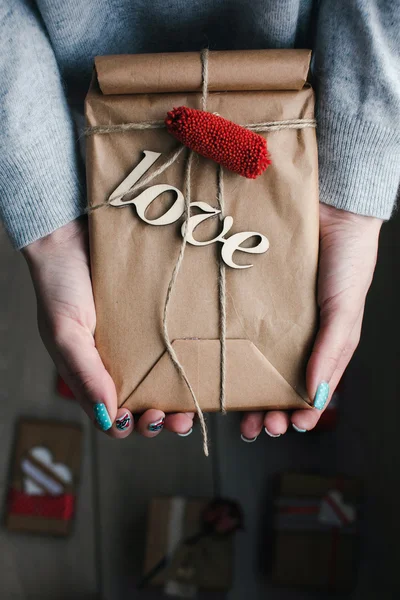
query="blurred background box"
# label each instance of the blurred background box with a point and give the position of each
(316, 522)
(207, 564)
(45, 470)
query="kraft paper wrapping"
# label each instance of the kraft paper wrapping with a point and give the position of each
(181, 71)
(271, 307)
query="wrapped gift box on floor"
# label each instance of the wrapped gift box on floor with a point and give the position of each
(316, 527)
(45, 470)
(178, 556)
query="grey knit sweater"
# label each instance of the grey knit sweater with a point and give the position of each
(46, 55)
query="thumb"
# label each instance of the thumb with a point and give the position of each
(336, 341)
(80, 365)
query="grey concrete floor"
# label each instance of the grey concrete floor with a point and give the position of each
(103, 557)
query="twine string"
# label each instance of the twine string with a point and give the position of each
(171, 285)
(204, 78)
(222, 297)
(170, 159)
(174, 154)
(257, 127)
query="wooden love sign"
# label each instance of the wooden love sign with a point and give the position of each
(175, 212)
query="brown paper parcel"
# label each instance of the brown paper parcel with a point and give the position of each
(271, 307)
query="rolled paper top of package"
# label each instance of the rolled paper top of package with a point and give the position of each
(233, 70)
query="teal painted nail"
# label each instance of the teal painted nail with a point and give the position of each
(298, 429)
(102, 417)
(321, 396)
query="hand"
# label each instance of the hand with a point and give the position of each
(348, 250)
(59, 266)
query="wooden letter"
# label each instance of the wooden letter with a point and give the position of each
(233, 243)
(143, 201)
(134, 176)
(194, 221)
(145, 198)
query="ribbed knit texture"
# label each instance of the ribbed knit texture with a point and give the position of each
(44, 191)
(359, 164)
(47, 49)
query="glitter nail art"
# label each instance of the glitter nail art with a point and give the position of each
(102, 417)
(321, 396)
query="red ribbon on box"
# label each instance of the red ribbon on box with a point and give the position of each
(311, 509)
(50, 507)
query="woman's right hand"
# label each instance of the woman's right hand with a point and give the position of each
(59, 267)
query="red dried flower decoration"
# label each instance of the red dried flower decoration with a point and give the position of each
(231, 145)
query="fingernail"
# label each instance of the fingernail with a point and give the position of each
(157, 425)
(248, 440)
(123, 422)
(102, 417)
(298, 429)
(186, 434)
(272, 434)
(321, 396)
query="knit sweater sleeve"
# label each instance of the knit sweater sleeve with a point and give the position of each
(39, 176)
(356, 69)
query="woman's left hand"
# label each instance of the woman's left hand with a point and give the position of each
(348, 251)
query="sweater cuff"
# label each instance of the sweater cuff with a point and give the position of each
(40, 192)
(359, 165)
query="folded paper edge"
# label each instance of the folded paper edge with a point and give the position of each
(115, 72)
(164, 356)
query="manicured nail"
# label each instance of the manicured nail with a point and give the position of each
(186, 434)
(248, 440)
(298, 429)
(272, 434)
(321, 396)
(102, 417)
(123, 422)
(157, 425)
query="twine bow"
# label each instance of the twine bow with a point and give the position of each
(257, 127)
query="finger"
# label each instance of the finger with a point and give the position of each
(352, 344)
(333, 348)
(80, 365)
(305, 420)
(251, 425)
(151, 423)
(180, 423)
(276, 423)
(123, 424)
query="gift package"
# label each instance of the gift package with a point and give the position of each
(203, 219)
(316, 524)
(190, 544)
(42, 493)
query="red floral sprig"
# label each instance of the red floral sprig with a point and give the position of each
(231, 145)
